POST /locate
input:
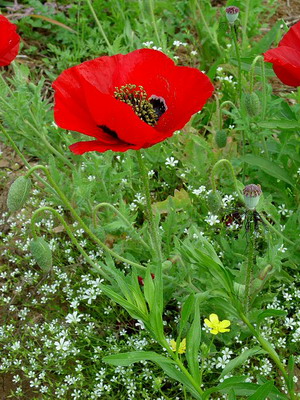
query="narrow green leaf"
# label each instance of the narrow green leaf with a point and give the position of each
(270, 167)
(186, 312)
(236, 362)
(280, 123)
(262, 392)
(193, 343)
(270, 313)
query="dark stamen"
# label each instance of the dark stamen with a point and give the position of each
(148, 110)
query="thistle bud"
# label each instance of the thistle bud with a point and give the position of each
(252, 194)
(252, 104)
(42, 254)
(214, 201)
(18, 193)
(232, 14)
(221, 138)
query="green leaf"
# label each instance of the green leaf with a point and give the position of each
(270, 167)
(193, 343)
(167, 365)
(180, 201)
(279, 124)
(265, 43)
(262, 392)
(236, 362)
(270, 313)
(186, 312)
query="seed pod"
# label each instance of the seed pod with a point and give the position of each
(42, 254)
(232, 14)
(214, 201)
(252, 104)
(221, 138)
(252, 194)
(18, 193)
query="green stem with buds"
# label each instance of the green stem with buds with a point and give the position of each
(78, 218)
(228, 164)
(70, 234)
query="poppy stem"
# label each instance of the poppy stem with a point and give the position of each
(272, 353)
(149, 213)
(237, 52)
(249, 269)
(110, 48)
(151, 4)
(79, 219)
(69, 232)
(133, 232)
(231, 172)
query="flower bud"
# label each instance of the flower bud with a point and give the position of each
(214, 202)
(18, 193)
(252, 104)
(42, 254)
(232, 14)
(221, 138)
(252, 194)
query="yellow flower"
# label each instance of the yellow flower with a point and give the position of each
(215, 325)
(182, 346)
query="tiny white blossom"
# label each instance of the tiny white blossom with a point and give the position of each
(212, 219)
(171, 161)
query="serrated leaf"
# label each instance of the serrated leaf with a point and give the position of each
(180, 200)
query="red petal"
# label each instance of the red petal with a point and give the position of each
(292, 37)
(9, 41)
(95, 145)
(286, 64)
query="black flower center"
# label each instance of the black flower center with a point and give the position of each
(147, 109)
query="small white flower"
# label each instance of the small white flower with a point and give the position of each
(212, 219)
(200, 190)
(91, 178)
(171, 161)
(194, 52)
(73, 318)
(148, 44)
(282, 249)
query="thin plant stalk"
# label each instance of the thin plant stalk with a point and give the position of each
(149, 213)
(207, 29)
(215, 169)
(272, 353)
(237, 52)
(110, 48)
(70, 234)
(249, 269)
(79, 219)
(245, 23)
(133, 232)
(151, 5)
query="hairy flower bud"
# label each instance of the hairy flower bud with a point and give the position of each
(252, 194)
(42, 254)
(18, 193)
(221, 138)
(214, 201)
(232, 14)
(252, 104)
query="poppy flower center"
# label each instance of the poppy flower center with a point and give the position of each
(148, 109)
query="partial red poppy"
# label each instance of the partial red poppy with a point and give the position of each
(130, 101)
(286, 57)
(9, 41)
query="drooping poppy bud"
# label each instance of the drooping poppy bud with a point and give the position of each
(42, 254)
(252, 194)
(252, 104)
(221, 138)
(232, 14)
(18, 193)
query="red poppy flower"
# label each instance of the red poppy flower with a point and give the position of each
(286, 57)
(128, 101)
(9, 41)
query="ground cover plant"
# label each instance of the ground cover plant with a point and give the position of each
(149, 200)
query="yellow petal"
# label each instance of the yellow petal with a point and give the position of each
(214, 331)
(173, 344)
(222, 330)
(182, 346)
(214, 319)
(225, 323)
(208, 323)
